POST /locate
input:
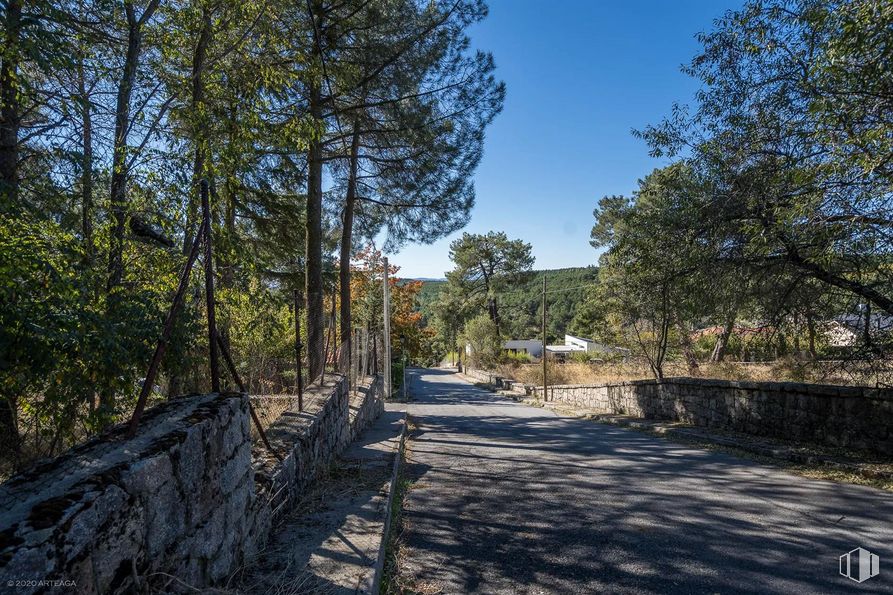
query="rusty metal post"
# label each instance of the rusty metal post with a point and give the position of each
(209, 290)
(166, 331)
(238, 381)
(300, 377)
(329, 342)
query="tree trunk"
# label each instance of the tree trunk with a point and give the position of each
(346, 242)
(494, 315)
(688, 350)
(10, 116)
(118, 190)
(722, 341)
(313, 245)
(866, 329)
(810, 327)
(657, 365)
(119, 152)
(198, 136)
(86, 164)
(869, 293)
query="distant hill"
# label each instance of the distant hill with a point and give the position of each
(522, 309)
(521, 306)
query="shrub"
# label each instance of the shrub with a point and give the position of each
(480, 333)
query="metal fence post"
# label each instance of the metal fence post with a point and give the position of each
(166, 331)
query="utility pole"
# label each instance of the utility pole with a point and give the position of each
(545, 385)
(386, 292)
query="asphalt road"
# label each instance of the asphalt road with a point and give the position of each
(507, 498)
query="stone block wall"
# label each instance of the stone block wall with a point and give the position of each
(110, 513)
(366, 404)
(483, 376)
(853, 417)
(190, 496)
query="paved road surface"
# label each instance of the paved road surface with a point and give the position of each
(514, 499)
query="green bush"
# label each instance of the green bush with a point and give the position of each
(396, 376)
(486, 348)
(516, 357)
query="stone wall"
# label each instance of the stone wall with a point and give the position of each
(854, 417)
(366, 404)
(190, 496)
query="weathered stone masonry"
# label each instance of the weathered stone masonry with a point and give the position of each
(186, 497)
(855, 417)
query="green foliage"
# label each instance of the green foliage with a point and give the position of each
(112, 114)
(444, 308)
(61, 350)
(481, 335)
(516, 358)
(522, 305)
(486, 265)
(777, 216)
(792, 145)
(397, 375)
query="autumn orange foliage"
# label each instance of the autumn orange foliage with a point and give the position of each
(367, 306)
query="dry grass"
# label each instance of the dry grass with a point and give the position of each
(779, 371)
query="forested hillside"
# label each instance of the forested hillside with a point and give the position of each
(521, 306)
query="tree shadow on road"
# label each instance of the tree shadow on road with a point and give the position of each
(510, 498)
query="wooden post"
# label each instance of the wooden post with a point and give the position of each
(300, 374)
(386, 292)
(209, 290)
(545, 384)
(166, 331)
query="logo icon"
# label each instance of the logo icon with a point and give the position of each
(859, 565)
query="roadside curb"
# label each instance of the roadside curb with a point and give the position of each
(383, 545)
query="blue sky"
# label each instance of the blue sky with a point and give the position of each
(580, 75)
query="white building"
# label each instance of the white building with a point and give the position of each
(574, 344)
(531, 347)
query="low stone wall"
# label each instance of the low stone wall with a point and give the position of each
(484, 377)
(854, 417)
(190, 496)
(366, 404)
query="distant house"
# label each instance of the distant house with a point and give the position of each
(574, 344)
(849, 329)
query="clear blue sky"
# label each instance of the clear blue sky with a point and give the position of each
(580, 75)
